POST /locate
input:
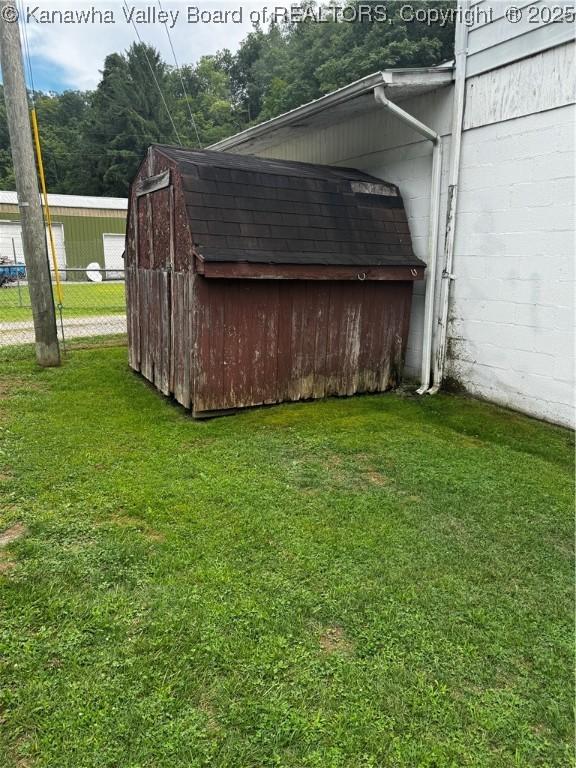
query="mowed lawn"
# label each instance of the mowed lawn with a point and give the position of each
(375, 581)
(78, 300)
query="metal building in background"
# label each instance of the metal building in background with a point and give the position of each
(87, 230)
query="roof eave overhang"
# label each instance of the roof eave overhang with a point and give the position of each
(399, 84)
(264, 271)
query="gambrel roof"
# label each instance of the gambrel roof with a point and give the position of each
(243, 208)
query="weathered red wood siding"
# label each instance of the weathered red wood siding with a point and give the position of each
(267, 341)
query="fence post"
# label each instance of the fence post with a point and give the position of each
(17, 273)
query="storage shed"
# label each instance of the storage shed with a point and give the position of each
(253, 281)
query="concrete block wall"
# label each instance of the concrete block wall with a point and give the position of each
(511, 331)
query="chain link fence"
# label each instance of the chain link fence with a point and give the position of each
(90, 306)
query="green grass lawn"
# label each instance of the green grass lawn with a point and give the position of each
(78, 300)
(376, 581)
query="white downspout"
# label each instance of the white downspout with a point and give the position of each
(435, 138)
(460, 51)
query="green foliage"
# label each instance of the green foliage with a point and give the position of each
(93, 142)
(373, 582)
(126, 116)
(6, 169)
(64, 118)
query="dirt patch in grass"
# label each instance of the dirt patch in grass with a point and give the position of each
(152, 535)
(332, 460)
(375, 477)
(7, 562)
(126, 521)
(337, 472)
(409, 497)
(206, 707)
(13, 533)
(367, 471)
(333, 640)
(19, 760)
(566, 548)
(194, 444)
(9, 386)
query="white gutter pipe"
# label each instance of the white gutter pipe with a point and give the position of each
(461, 51)
(435, 138)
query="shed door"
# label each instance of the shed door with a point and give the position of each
(113, 251)
(12, 231)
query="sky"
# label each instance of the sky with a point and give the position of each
(68, 41)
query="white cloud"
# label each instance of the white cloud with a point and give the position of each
(76, 50)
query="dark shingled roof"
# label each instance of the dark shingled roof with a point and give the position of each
(250, 209)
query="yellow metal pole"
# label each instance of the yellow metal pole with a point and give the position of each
(46, 207)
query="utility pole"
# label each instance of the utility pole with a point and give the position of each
(33, 232)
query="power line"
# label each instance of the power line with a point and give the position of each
(155, 78)
(27, 50)
(185, 92)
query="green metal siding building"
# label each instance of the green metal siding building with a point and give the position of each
(87, 231)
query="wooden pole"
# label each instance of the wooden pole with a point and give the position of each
(33, 232)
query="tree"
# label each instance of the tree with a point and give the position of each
(6, 169)
(61, 119)
(313, 58)
(126, 115)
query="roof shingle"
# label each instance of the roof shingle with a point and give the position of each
(243, 208)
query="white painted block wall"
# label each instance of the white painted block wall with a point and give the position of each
(512, 312)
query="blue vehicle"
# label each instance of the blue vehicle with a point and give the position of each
(9, 273)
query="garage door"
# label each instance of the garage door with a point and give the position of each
(113, 256)
(11, 242)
